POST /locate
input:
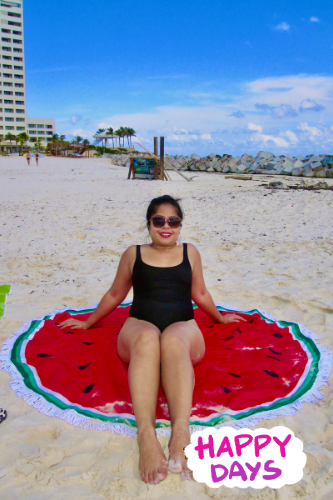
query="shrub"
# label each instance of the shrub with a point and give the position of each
(111, 151)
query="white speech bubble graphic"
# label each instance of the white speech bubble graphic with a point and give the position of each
(242, 458)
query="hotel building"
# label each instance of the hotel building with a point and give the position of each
(13, 117)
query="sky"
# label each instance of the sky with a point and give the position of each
(210, 76)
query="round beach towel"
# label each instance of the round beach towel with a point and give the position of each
(253, 370)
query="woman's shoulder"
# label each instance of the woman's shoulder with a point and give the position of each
(192, 249)
(193, 253)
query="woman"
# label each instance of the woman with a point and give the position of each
(160, 339)
(28, 158)
(37, 156)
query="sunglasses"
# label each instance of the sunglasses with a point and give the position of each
(173, 222)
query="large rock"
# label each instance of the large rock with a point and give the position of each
(265, 154)
(320, 173)
(309, 173)
(297, 171)
(298, 164)
(316, 165)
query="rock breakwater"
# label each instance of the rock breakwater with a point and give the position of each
(264, 163)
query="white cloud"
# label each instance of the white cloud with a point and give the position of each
(311, 131)
(206, 137)
(253, 126)
(75, 118)
(310, 105)
(290, 135)
(271, 105)
(283, 26)
(314, 19)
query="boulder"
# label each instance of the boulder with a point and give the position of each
(320, 173)
(298, 164)
(194, 157)
(309, 173)
(316, 165)
(265, 154)
(297, 171)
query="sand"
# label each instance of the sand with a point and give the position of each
(63, 228)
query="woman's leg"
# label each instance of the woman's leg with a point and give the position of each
(182, 347)
(139, 346)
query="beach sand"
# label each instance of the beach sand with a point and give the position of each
(63, 228)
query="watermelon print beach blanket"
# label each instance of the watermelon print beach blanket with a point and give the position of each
(253, 370)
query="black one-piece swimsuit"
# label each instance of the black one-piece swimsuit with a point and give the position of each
(162, 295)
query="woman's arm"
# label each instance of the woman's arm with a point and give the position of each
(200, 294)
(113, 297)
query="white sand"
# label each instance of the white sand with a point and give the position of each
(271, 251)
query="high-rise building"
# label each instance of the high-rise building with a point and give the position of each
(13, 117)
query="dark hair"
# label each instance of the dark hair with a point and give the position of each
(163, 200)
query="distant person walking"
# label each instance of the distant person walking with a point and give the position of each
(37, 156)
(28, 158)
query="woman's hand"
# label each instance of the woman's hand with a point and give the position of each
(74, 324)
(232, 318)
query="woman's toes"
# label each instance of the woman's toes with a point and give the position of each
(175, 466)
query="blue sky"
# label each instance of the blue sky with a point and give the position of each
(222, 77)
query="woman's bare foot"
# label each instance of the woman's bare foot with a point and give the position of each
(153, 465)
(180, 438)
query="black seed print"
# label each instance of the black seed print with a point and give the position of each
(229, 348)
(117, 333)
(228, 338)
(226, 390)
(238, 330)
(114, 342)
(211, 326)
(273, 357)
(43, 355)
(88, 343)
(98, 326)
(272, 374)
(83, 367)
(56, 323)
(277, 335)
(234, 375)
(71, 333)
(251, 321)
(89, 388)
(274, 352)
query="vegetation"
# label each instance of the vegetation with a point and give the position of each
(57, 143)
(121, 133)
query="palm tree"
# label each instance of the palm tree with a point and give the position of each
(10, 137)
(109, 132)
(86, 142)
(62, 138)
(121, 132)
(131, 133)
(38, 143)
(100, 130)
(118, 133)
(78, 139)
(22, 138)
(55, 138)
